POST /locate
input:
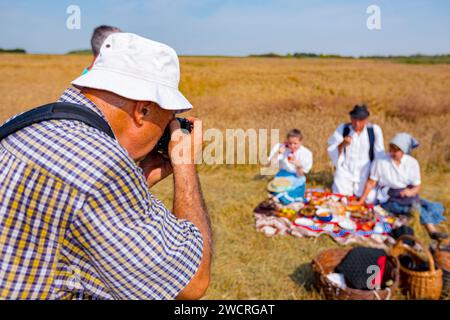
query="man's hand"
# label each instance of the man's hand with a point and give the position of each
(155, 167)
(359, 202)
(344, 144)
(188, 202)
(282, 148)
(347, 141)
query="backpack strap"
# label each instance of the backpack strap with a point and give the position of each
(346, 131)
(56, 111)
(371, 134)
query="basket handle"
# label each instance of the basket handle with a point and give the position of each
(388, 297)
(424, 248)
(322, 272)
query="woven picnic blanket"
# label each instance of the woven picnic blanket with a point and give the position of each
(271, 221)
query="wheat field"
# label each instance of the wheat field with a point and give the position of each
(313, 95)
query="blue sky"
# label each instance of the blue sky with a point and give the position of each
(236, 27)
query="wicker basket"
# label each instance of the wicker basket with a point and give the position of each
(418, 284)
(446, 284)
(325, 263)
(442, 260)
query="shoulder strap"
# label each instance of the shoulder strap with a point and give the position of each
(371, 134)
(56, 111)
(346, 131)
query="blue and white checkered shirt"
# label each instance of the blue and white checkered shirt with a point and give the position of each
(77, 220)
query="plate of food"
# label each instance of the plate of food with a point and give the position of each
(308, 211)
(347, 224)
(368, 226)
(324, 215)
(317, 202)
(357, 215)
(356, 208)
(305, 222)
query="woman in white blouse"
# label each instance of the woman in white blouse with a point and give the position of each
(397, 176)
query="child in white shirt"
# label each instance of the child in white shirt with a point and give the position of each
(294, 160)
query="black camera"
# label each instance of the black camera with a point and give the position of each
(163, 144)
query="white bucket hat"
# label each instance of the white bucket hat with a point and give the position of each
(138, 69)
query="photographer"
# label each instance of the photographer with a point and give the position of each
(77, 219)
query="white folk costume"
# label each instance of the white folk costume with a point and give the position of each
(392, 179)
(288, 170)
(354, 162)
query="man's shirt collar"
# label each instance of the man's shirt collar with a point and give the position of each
(72, 95)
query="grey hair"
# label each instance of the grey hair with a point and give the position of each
(99, 35)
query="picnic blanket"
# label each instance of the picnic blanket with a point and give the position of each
(369, 225)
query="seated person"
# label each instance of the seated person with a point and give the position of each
(398, 178)
(294, 161)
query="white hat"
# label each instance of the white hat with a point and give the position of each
(138, 69)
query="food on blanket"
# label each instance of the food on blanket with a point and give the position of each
(279, 185)
(287, 213)
(368, 226)
(308, 211)
(324, 216)
(296, 206)
(304, 222)
(323, 210)
(347, 224)
(317, 194)
(356, 208)
(317, 202)
(337, 208)
(356, 215)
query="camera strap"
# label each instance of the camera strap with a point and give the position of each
(56, 111)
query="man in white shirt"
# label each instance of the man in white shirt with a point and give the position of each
(352, 148)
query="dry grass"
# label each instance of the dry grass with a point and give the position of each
(313, 95)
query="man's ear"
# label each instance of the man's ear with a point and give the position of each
(141, 111)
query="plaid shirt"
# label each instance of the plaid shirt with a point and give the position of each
(77, 220)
